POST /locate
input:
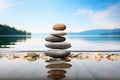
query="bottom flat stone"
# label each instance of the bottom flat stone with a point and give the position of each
(57, 53)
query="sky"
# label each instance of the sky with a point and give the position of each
(38, 16)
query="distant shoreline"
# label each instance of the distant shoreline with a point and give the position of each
(10, 30)
(13, 35)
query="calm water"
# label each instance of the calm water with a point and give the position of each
(78, 68)
(36, 42)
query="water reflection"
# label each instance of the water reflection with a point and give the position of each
(57, 69)
(56, 74)
(77, 66)
(5, 41)
(96, 38)
(77, 42)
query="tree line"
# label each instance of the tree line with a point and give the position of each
(8, 30)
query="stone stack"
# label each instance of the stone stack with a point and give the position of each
(57, 42)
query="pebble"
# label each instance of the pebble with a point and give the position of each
(30, 54)
(58, 45)
(59, 27)
(55, 39)
(58, 33)
(57, 53)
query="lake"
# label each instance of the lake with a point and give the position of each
(78, 42)
(85, 66)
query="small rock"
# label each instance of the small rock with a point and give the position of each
(55, 39)
(58, 33)
(31, 59)
(59, 27)
(41, 55)
(58, 45)
(30, 54)
(57, 53)
(98, 55)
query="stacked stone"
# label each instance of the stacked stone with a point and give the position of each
(57, 42)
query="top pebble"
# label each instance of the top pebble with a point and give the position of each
(60, 27)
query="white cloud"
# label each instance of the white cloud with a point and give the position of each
(5, 4)
(108, 18)
(2, 3)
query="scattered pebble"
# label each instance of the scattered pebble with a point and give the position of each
(34, 56)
